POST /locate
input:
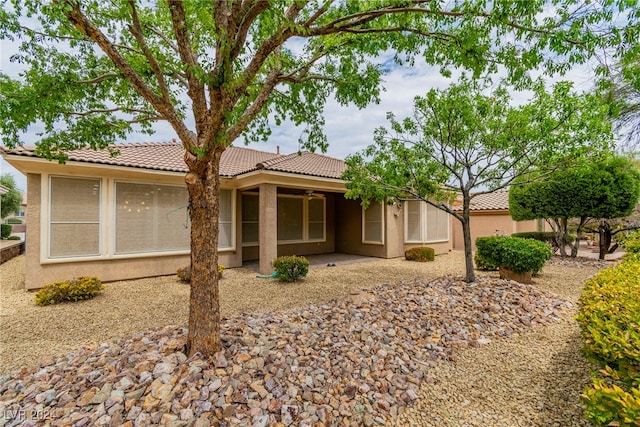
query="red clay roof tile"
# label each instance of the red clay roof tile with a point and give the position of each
(168, 156)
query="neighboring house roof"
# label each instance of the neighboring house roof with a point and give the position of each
(496, 200)
(3, 189)
(169, 156)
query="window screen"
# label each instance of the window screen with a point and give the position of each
(290, 218)
(250, 219)
(151, 218)
(316, 218)
(373, 223)
(74, 228)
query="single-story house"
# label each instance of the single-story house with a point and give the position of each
(126, 216)
(490, 217)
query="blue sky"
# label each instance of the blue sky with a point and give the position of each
(348, 129)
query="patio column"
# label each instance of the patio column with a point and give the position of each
(268, 227)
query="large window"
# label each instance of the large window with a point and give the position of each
(425, 223)
(373, 224)
(250, 219)
(301, 219)
(154, 218)
(146, 218)
(151, 218)
(74, 227)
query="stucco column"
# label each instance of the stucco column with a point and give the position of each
(268, 227)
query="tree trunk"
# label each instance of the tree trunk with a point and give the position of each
(466, 235)
(604, 239)
(559, 227)
(576, 244)
(204, 301)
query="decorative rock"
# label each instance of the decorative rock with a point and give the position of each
(356, 361)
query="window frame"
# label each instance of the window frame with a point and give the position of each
(305, 220)
(424, 218)
(142, 253)
(257, 242)
(382, 224)
(233, 222)
(46, 222)
(107, 221)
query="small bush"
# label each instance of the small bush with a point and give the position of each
(184, 273)
(609, 316)
(486, 256)
(79, 289)
(13, 221)
(631, 243)
(524, 255)
(420, 254)
(13, 238)
(291, 268)
(5, 231)
(516, 254)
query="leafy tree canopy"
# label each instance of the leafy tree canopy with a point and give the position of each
(97, 70)
(9, 202)
(620, 79)
(464, 141)
(603, 188)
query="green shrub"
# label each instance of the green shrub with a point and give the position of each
(609, 316)
(631, 243)
(420, 254)
(516, 254)
(486, 256)
(544, 236)
(82, 288)
(13, 238)
(524, 255)
(291, 268)
(5, 231)
(184, 273)
(13, 221)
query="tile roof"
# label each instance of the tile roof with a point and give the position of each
(496, 200)
(306, 163)
(168, 156)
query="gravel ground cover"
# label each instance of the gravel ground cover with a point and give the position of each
(271, 373)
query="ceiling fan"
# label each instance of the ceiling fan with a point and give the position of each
(310, 195)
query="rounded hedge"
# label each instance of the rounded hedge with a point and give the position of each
(515, 253)
(420, 254)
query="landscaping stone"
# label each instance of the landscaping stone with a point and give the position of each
(335, 363)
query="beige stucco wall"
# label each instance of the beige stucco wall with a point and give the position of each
(32, 259)
(39, 273)
(349, 232)
(490, 223)
(343, 229)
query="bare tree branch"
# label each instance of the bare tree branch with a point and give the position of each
(254, 10)
(85, 26)
(164, 38)
(98, 79)
(188, 57)
(254, 109)
(136, 30)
